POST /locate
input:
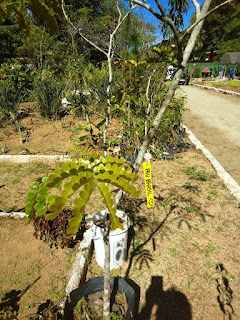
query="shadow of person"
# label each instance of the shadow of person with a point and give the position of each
(10, 300)
(165, 305)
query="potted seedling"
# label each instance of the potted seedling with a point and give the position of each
(49, 197)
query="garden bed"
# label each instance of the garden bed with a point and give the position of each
(232, 86)
(41, 136)
(32, 274)
(184, 255)
(183, 259)
(15, 181)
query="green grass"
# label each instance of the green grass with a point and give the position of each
(191, 209)
(174, 251)
(235, 83)
(212, 193)
(15, 181)
(193, 173)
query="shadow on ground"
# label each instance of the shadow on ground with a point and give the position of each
(167, 305)
(225, 293)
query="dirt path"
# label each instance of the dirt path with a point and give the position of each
(214, 118)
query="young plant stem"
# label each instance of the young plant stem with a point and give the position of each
(17, 125)
(107, 289)
(149, 104)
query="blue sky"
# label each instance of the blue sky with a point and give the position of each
(151, 19)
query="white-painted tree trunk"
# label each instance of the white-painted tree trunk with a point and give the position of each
(170, 94)
(174, 84)
(107, 288)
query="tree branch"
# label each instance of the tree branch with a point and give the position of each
(78, 31)
(165, 103)
(165, 19)
(198, 7)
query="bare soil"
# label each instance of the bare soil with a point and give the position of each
(183, 257)
(31, 274)
(43, 136)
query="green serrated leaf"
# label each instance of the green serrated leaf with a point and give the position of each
(108, 166)
(137, 193)
(65, 175)
(95, 155)
(84, 195)
(31, 196)
(73, 171)
(74, 165)
(109, 159)
(82, 181)
(68, 190)
(41, 198)
(57, 205)
(45, 179)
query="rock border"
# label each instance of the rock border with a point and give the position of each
(15, 215)
(229, 182)
(33, 158)
(232, 93)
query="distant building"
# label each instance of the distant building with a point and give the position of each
(232, 58)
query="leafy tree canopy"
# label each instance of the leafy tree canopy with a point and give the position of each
(19, 9)
(221, 29)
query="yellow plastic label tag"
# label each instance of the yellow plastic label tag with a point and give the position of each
(148, 184)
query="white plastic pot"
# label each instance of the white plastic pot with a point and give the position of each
(117, 238)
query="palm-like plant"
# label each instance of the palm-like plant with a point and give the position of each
(80, 177)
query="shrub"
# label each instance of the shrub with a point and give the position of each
(20, 75)
(171, 122)
(79, 102)
(48, 95)
(9, 98)
(196, 72)
(9, 101)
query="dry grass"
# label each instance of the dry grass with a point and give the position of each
(183, 256)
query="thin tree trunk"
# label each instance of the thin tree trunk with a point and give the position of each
(171, 91)
(107, 289)
(149, 104)
(40, 50)
(172, 88)
(108, 114)
(110, 55)
(18, 126)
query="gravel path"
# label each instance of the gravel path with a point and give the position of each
(214, 118)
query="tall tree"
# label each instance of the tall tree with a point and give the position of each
(221, 30)
(184, 52)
